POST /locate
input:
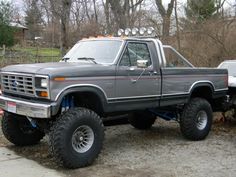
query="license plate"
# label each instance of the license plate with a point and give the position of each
(11, 107)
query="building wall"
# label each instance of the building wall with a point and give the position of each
(19, 36)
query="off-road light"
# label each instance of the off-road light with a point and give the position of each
(127, 31)
(150, 30)
(120, 32)
(142, 30)
(134, 31)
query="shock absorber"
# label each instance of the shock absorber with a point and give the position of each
(67, 103)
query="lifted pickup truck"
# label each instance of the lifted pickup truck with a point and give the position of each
(104, 77)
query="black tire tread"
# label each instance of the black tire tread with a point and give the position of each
(55, 135)
(187, 125)
(12, 132)
(142, 120)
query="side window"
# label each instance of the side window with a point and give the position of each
(125, 61)
(173, 59)
(134, 52)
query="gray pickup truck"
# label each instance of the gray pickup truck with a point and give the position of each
(104, 77)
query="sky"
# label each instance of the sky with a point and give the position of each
(228, 3)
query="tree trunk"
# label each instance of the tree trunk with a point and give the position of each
(118, 13)
(95, 11)
(166, 15)
(177, 26)
(65, 17)
(107, 16)
(64, 43)
(166, 26)
(86, 10)
(123, 12)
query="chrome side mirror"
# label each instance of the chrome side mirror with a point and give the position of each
(142, 63)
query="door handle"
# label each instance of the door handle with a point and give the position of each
(152, 73)
(131, 69)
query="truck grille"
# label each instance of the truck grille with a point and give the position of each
(18, 84)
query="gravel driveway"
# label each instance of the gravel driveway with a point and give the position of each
(161, 151)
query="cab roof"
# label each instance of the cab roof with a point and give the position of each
(118, 38)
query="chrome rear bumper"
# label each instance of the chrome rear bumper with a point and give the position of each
(25, 108)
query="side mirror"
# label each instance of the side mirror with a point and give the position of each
(142, 63)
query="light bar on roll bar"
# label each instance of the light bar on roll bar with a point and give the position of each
(137, 32)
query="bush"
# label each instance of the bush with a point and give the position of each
(6, 32)
(6, 35)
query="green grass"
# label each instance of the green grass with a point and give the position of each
(32, 55)
(40, 51)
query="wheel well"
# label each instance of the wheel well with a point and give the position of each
(88, 100)
(202, 92)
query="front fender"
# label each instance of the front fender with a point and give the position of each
(76, 89)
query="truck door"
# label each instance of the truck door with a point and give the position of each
(134, 81)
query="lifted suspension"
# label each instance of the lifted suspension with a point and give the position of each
(166, 115)
(67, 103)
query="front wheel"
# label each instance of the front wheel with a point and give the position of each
(19, 131)
(76, 137)
(196, 119)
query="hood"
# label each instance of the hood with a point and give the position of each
(67, 69)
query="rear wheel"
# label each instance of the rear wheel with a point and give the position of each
(76, 138)
(196, 120)
(19, 131)
(142, 119)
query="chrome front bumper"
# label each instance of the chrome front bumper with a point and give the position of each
(34, 110)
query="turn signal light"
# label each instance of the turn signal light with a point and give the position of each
(59, 79)
(43, 94)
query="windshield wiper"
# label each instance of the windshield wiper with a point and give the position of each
(65, 59)
(87, 59)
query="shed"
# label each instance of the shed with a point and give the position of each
(19, 33)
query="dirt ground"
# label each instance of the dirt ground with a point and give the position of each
(160, 151)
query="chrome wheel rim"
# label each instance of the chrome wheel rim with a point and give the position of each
(201, 120)
(82, 139)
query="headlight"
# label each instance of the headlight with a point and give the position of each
(41, 82)
(44, 83)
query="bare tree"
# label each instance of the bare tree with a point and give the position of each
(95, 11)
(61, 9)
(177, 25)
(219, 7)
(106, 7)
(166, 16)
(123, 10)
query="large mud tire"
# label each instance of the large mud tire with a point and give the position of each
(76, 138)
(196, 119)
(19, 131)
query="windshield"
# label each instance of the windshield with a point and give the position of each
(230, 66)
(100, 51)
